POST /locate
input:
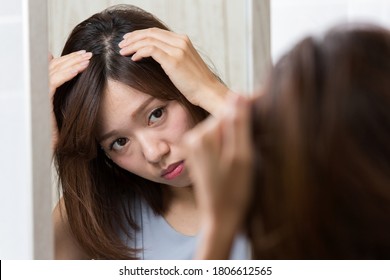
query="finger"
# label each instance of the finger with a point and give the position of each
(242, 123)
(202, 146)
(57, 78)
(69, 66)
(70, 59)
(60, 76)
(73, 63)
(168, 37)
(66, 74)
(157, 33)
(156, 53)
(236, 133)
(204, 141)
(63, 58)
(149, 42)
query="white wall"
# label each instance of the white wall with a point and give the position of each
(25, 228)
(16, 238)
(293, 19)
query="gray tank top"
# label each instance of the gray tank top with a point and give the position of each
(159, 241)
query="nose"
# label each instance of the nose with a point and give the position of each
(154, 148)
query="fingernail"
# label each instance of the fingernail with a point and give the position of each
(82, 51)
(84, 63)
(87, 55)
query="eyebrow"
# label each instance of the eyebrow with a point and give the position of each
(141, 108)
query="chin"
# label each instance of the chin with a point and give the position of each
(181, 186)
(179, 183)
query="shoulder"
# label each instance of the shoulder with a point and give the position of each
(66, 246)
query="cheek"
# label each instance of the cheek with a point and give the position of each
(180, 124)
(179, 128)
(125, 163)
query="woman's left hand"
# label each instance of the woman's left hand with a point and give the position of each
(219, 154)
(181, 62)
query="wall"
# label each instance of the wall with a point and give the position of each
(25, 228)
(291, 20)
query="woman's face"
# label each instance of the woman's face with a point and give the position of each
(142, 134)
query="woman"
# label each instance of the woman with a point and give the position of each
(320, 134)
(121, 114)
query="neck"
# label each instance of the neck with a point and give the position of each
(181, 211)
(179, 194)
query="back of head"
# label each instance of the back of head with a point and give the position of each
(322, 129)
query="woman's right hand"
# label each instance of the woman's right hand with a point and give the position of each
(181, 62)
(61, 70)
(65, 68)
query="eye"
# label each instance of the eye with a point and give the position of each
(156, 115)
(118, 144)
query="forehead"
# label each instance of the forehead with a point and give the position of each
(116, 93)
(119, 97)
(119, 100)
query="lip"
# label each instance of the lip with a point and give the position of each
(173, 170)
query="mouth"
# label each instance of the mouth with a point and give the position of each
(173, 170)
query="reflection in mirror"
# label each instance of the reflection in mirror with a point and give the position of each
(121, 120)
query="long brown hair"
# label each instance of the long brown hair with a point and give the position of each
(97, 193)
(322, 130)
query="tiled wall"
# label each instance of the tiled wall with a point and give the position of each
(24, 136)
